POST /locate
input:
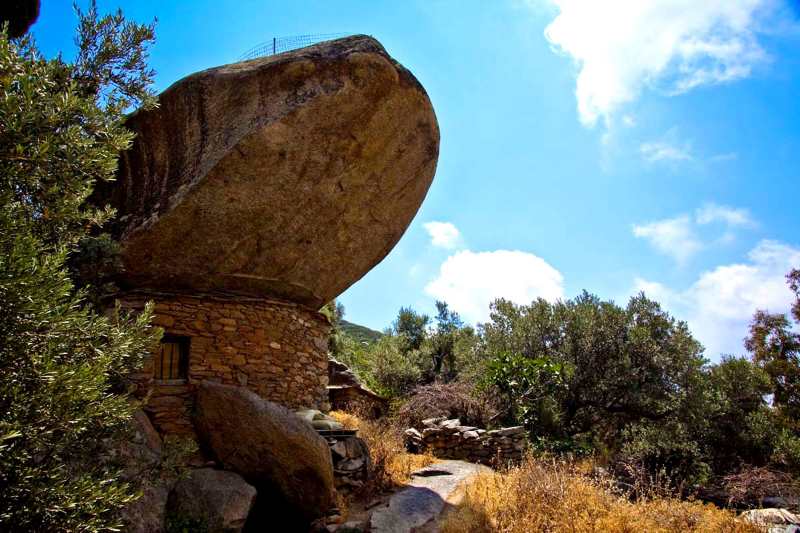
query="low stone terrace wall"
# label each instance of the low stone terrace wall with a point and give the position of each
(448, 439)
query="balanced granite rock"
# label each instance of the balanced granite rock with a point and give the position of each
(270, 446)
(288, 176)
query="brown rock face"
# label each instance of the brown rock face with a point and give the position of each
(268, 445)
(221, 500)
(289, 176)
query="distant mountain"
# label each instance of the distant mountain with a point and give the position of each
(360, 333)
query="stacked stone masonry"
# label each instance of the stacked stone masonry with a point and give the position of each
(448, 439)
(276, 349)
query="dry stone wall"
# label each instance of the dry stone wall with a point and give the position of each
(276, 349)
(448, 439)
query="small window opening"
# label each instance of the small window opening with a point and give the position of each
(173, 358)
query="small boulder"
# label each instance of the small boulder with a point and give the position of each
(450, 424)
(219, 499)
(770, 517)
(319, 420)
(268, 445)
(433, 422)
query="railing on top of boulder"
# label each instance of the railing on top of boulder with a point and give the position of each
(277, 45)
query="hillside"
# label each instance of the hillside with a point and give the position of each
(360, 333)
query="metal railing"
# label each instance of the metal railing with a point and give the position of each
(283, 44)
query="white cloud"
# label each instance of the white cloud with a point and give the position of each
(674, 237)
(469, 281)
(664, 151)
(623, 46)
(443, 234)
(731, 216)
(680, 237)
(719, 305)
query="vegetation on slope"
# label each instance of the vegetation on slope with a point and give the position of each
(359, 333)
(587, 377)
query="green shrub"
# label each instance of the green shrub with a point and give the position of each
(64, 365)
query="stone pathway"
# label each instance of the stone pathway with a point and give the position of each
(424, 498)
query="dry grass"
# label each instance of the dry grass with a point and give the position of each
(391, 464)
(752, 484)
(448, 400)
(555, 496)
(348, 420)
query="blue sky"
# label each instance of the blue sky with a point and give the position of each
(610, 146)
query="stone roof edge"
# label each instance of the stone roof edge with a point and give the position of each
(220, 297)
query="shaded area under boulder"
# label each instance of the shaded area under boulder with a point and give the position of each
(218, 499)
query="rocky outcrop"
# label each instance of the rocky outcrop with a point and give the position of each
(448, 439)
(268, 445)
(288, 176)
(218, 499)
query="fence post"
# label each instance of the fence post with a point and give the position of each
(273, 45)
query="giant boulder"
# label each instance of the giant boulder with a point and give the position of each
(288, 176)
(268, 445)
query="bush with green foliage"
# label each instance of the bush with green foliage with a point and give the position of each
(391, 370)
(600, 366)
(587, 376)
(63, 388)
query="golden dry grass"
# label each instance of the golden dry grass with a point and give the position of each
(348, 420)
(392, 465)
(554, 496)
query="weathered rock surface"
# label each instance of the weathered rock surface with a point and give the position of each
(340, 374)
(140, 453)
(288, 176)
(318, 420)
(352, 463)
(148, 513)
(219, 499)
(771, 517)
(425, 497)
(268, 445)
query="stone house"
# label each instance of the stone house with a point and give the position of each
(277, 349)
(252, 195)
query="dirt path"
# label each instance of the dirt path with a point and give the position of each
(424, 498)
